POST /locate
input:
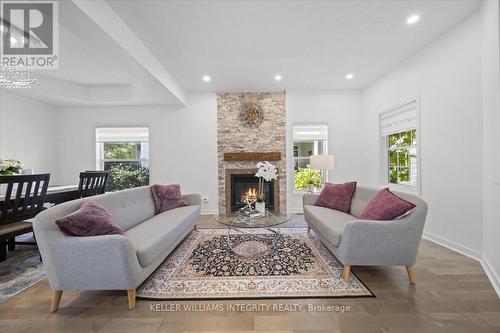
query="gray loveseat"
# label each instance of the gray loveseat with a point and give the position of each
(112, 262)
(360, 242)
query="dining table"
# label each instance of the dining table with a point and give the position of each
(57, 194)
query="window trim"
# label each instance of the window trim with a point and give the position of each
(300, 192)
(385, 151)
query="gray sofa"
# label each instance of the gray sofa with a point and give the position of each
(360, 242)
(112, 262)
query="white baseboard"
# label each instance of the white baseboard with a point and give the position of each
(470, 253)
(209, 212)
(296, 211)
(492, 275)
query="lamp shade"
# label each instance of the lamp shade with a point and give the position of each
(322, 162)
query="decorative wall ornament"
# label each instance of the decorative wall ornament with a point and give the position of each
(252, 115)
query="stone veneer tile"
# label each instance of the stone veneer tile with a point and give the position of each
(234, 136)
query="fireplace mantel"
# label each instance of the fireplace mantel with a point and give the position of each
(252, 156)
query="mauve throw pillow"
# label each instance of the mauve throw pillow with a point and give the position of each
(386, 206)
(90, 220)
(337, 196)
(167, 197)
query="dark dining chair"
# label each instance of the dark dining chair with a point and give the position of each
(23, 200)
(92, 183)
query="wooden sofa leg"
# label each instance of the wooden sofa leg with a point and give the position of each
(308, 229)
(347, 271)
(195, 227)
(131, 299)
(411, 274)
(56, 299)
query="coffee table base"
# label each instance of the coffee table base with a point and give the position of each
(258, 245)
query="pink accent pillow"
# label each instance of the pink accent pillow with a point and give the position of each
(167, 197)
(89, 220)
(386, 206)
(337, 196)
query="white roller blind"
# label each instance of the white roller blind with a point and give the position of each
(399, 119)
(122, 134)
(309, 132)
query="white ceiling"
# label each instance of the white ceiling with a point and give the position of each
(242, 45)
(80, 63)
(313, 44)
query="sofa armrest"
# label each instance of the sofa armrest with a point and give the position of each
(87, 263)
(310, 198)
(366, 242)
(192, 199)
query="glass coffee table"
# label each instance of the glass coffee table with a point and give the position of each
(253, 237)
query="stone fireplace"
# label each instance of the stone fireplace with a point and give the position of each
(240, 147)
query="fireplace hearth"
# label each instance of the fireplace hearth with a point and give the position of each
(244, 186)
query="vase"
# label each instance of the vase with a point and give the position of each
(260, 207)
(310, 188)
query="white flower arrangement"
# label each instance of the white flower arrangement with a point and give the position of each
(266, 172)
(10, 167)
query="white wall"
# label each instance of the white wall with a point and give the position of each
(182, 142)
(446, 76)
(341, 111)
(28, 133)
(491, 124)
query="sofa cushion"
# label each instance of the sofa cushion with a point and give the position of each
(337, 196)
(90, 220)
(329, 222)
(129, 207)
(167, 197)
(162, 232)
(386, 206)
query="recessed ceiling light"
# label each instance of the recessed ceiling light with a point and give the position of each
(349, 76)
(278, 77)
(412, 19)
(206, 78)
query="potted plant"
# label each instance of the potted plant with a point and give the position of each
(307, 179)
(266, 172)
(9, 168)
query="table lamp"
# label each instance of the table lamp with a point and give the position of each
(322, 162)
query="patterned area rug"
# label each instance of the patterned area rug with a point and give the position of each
(21, 270)
(204, 267)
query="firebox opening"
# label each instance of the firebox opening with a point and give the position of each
(245, 186)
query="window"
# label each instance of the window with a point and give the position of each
(124, 152)
(399, 131)
(402, 154)
(308, 140)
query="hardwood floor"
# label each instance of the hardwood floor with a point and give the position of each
(452, 294)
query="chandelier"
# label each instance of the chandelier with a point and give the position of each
(19, 76)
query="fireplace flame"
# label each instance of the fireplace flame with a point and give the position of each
(249, 195)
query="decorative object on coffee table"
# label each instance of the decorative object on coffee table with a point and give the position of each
(266, 172)
(204, 267)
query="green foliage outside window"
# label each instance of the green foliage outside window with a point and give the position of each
(402, 157)
(122, 160)
(307, 176)
(121, 151)
(123, 176)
